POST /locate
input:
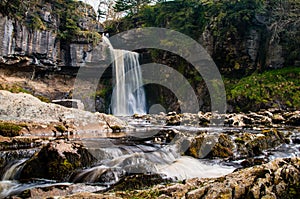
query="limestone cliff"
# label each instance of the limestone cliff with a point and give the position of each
(245, 37)
(47, 34)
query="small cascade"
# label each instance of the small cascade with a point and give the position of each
(128, 95)
(101, 174)
(13, 170)
(145, 159)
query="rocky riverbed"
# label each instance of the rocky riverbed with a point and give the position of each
(52, 151)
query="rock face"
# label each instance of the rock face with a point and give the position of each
(19, 43)
(37, 40)
(264, 42)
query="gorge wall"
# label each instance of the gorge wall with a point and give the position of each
(241, 36)
(49, 35)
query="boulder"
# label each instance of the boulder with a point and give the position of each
(21, 107)
(250, 145)
(209, 146)
(57, 161)
(114, 123)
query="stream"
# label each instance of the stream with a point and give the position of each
(139, 151)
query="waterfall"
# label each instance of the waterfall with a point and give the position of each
(12, 172)
(128, 95)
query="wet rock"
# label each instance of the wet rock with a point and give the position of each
(235, 120)
(222, 149)
(204, 119)
(278, 119)
(259, 142)
(166, 136)
(114, 123)
(139, 181)
(210, 146)
(197, 193)
(276, 179)
(139, 116)
(173, 119)
(57, 161)
(175, 191)
(253, 144)
(260, 119)
(87, 195)
(21, 142)
(250, 162)
(266, 113)
(62, 190)
(294, 119)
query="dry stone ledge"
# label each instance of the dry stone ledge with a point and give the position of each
(22, 107)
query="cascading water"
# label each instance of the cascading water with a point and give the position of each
(128, 95)
(13, 170)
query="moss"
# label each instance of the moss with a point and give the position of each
(145, 194)
(90, 36)
(266, 88)
(43, 98)
(9, 129)
(59, 168)
(60, 128)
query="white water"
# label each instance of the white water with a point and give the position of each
(146, 159)
(128, 95)
(12, 172)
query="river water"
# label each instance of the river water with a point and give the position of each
(136, 151)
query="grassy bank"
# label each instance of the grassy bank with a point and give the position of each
(279, 88)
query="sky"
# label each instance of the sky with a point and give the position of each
(93, 3)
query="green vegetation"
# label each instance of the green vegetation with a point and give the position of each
(67, 15)
(227, 27)
(187, 17)
(9, 129)
(14, 88)
(275, 88)
(60, 128)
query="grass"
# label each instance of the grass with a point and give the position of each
(8, 129)
(16, 88)
(272, 86)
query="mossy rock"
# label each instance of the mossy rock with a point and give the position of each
(269, 139)
(139, 181)
(60, 128)
(8, 129)
(205, 146)
(222, 149)
(52, 163)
